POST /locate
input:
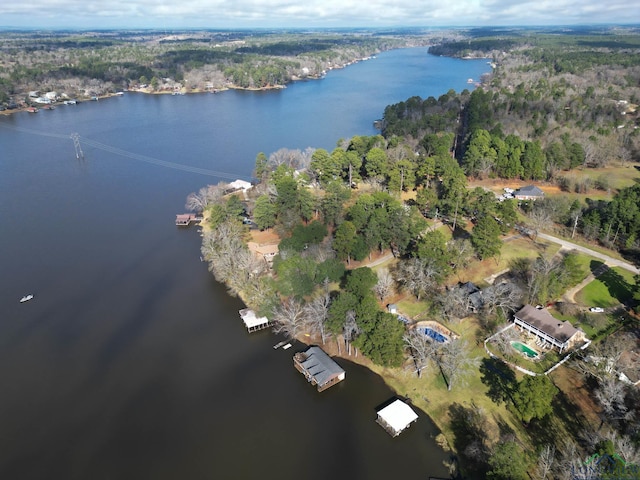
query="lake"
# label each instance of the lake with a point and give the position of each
(131, 362)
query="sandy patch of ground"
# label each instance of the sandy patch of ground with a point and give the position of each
(497, 185)
(265, 237)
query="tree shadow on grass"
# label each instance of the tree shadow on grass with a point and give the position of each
(616, 284)
(596, 266)
(499, 378)
(566, 421)
(468, 425)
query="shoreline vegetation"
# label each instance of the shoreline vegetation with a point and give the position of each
(415, 221)
(428, 195)
(39, 67)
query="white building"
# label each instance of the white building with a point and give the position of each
(396, 417)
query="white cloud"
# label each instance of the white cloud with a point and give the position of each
(312, 13)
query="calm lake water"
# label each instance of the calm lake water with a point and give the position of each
(131, 362)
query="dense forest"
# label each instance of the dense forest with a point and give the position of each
(404, 197)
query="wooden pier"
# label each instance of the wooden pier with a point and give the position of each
(186, 219)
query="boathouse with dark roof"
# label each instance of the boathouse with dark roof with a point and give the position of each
(318, 368)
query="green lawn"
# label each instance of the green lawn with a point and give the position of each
(517, 247)
(611, 288)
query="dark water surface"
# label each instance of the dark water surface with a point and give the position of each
(131, 362)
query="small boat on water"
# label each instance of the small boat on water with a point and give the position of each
(26, 298)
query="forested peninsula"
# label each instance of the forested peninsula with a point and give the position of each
(480, 253)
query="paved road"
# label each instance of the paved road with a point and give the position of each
(610, 261)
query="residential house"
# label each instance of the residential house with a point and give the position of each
(549, 330)
(530, 192)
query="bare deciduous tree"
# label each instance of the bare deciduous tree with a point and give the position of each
(225, 251)
(350, 330)
(421, 349)
(317, 313)
(295, 159)
(504, 339)
(454, 303)
(505, 297)
(417, 275)
(205, 197)
(461, 252)
(456, 363)
(384, 287)
(611, 394)
(546, 460)
(290, 319)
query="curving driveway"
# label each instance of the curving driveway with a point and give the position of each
(610, 261)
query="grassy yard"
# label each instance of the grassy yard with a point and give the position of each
(613, 287)
(484, 399)
(516, 247)
(430, 393)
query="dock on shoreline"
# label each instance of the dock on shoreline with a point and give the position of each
(253, 322)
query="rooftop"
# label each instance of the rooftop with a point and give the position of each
(547, 323)
(398, 415)
(320, 365)
(529, 190)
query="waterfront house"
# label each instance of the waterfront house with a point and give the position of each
(530, 192)
(318, 368)
(240, 185)
(549, 330)
(268, 251)
(396, 417)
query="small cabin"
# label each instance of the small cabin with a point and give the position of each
(396, 417)
(318, 368)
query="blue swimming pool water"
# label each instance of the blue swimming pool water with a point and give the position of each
(437, 336)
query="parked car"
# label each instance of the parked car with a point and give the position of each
(596, 309)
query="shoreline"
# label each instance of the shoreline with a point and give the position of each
(390, 376)
(185, 91)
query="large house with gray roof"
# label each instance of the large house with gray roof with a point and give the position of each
(549, 330)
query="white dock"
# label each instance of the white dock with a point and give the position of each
(252, 321)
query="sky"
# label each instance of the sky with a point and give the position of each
(163, 14)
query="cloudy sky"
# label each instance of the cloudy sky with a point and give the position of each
(311, 13)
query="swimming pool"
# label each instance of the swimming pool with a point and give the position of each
(522, 348)
(437, 336)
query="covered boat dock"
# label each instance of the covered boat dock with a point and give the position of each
(396, 417)
(252, 321)
(318, 368)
